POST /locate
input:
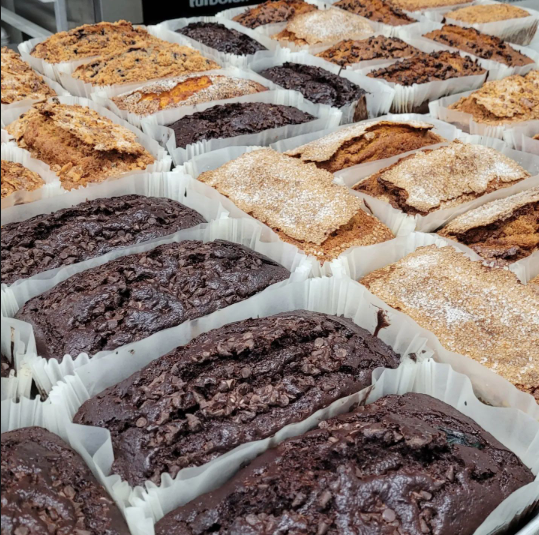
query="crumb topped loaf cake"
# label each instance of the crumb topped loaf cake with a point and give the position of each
(187, 90)
(511, 100)
(235, 384)
(79, 144)
(501, 231)
(135, 296)
(482, 312)
(418, 5)
(298, 201)
(273, 11)
(16, 177)
(366, 142)
(47, 488)
(19, 81)
(487, 13)
(324, 26)
(87, 230)
(377, 10)
(407, 464)
(442, 178)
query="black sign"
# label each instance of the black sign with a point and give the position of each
(155, 12)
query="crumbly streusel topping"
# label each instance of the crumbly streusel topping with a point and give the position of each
(487, 13)
(416, 5)
(16, 177)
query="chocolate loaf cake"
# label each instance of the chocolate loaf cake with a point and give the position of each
(406, 464)
(47, 488)
(239, 383)
(135, 296)
(237, 119)
(273, 11)
(88, 230)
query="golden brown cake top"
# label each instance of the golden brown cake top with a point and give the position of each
(19, 81)
(187, 90)
(273, 11)
(324, 26)
(444, 176)
(491, 212)
(16, 177)
(487, 13)
(156, 59)
(416, 5)
(482, 312)
(324, 148)
(377, 10)
(512, 99)
(534, 282)
(91, 40)
(296, 198)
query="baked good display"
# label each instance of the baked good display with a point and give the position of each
(79, 144)
(319, 86)
(47, 488)
(187, 90)
(366, 142)
(16, 177)
(479, 14)
(236, 384)
(511, 100)
(87, 230)
(501, 231)
(404, 464)
(377, 10)
(19, 81)
(298, 201)
(221, 38)
(479, 44)
(323, 26)
(235, 119)
(272, 11)
(423, 68)
(351, 51)
(442, 178)
(147, 61)
(419, 5)
(90, 40)
(135, 296)
(482, 312)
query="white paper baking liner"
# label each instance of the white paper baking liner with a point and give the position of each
(12, 153)
(520, 137)
(437, 380)
(520, 30)
(6, 138)
(167, 31)
(488, 385)
(325, 117)
(18, 347)
(103, 95)
(378, 98)
(162, 162)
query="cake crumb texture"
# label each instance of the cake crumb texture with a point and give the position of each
(16, 177)
(487, 13)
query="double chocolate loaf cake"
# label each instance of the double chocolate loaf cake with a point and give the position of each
(406, 464)
(239, 383)
(88, 230)
(135, 296)
(48, 489)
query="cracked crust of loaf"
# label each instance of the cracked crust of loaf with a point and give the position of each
(16, 177)
(366, 142)
(511, 100)
(186, 90)
(482, 312)
(273, 11)
(416, 5)
(480, 44)
(501, 231)
(90, 40)
(350, 51)
(299, 201)
(324, 26)
(487, 13)
(442, 178)
(80, 145)
(376, 10)
(19, 81)
(155, 59)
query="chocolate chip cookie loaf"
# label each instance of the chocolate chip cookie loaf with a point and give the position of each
(239, 383)
(377, 10)
(272, 11)
(88, 230)
(135, 296)
(404, 464)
